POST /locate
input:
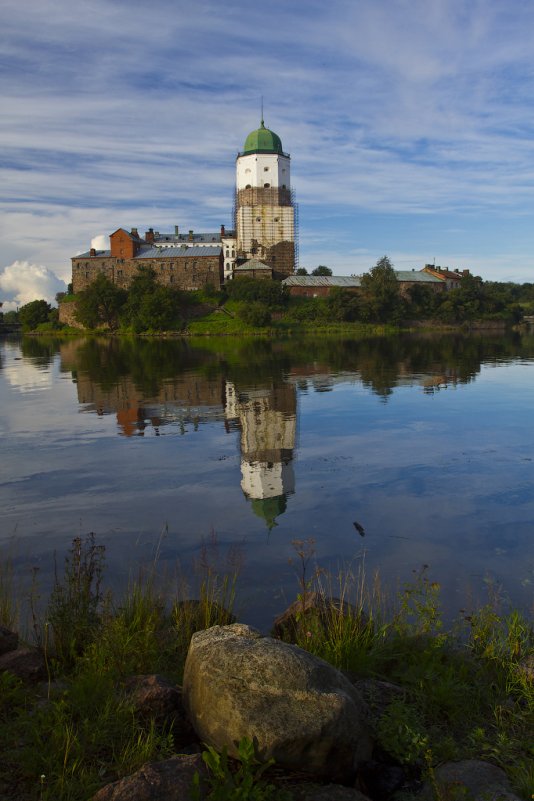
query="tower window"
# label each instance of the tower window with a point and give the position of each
(266, 169)
(248, 186)
(283, 186)
(258, 219)
(266, 186)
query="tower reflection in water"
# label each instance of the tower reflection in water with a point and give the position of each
(267, 418)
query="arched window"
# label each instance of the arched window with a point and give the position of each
(248, 186)
(266, 186)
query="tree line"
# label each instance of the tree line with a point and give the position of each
(149, 306)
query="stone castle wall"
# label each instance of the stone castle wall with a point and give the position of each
(179, 272)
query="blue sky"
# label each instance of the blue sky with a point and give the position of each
(410, 126)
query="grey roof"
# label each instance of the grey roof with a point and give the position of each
(253, 264)
(178, 238)
(177, 252)
(88, 254)
(343, 281)
(416, 275)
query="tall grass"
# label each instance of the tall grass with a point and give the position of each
(86, 731)
(9, 608)
(465, 692)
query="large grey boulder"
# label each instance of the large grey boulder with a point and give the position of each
(297, 708)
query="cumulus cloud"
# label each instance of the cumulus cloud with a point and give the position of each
(100, 242)
(22, 282)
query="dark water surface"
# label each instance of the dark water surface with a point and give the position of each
(426, 442)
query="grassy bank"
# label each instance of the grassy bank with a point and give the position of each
(462, 691)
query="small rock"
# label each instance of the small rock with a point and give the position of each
(470, 779)
(169, 780)
(526, 667)
(378, 695)
(311, 612)
(9, 640)
(155, 698)
(26, 663)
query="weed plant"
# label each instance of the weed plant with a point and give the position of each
(230, 780)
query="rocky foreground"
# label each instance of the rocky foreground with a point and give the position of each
(313, 720)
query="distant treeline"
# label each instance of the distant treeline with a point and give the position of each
(148, 306)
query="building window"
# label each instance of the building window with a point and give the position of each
(119, 273)
(266, 186)
(283, 186)
(233, 254)
(248, 186)
(171, 279)
(266, 169)
(258, 219)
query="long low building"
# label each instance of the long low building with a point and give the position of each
(187, 266)
(318, 286)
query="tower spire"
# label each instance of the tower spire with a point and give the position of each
(262, 122)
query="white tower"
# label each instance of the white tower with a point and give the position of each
(265, 215)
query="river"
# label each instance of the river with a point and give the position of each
(382, 454)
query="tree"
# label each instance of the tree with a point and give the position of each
(11, 317)
(342, 305)
(301, 271)
(100, 303)
(33, 313)
(381, 291)
(322, 270)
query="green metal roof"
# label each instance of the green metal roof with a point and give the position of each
(262, 141)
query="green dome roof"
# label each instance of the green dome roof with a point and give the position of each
(262, 141)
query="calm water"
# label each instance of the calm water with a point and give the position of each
(425, 442)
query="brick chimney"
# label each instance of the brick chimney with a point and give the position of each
(134, 232)
(465, 272)
(92, 252)
(190, 234)
(176, 231)
(222, 231)
(149, 236)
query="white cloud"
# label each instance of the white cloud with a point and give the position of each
(100, 242)
(22, 282)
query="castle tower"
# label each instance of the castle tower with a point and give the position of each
(265, 215)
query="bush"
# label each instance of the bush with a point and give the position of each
(256, 314)
(271, 293)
